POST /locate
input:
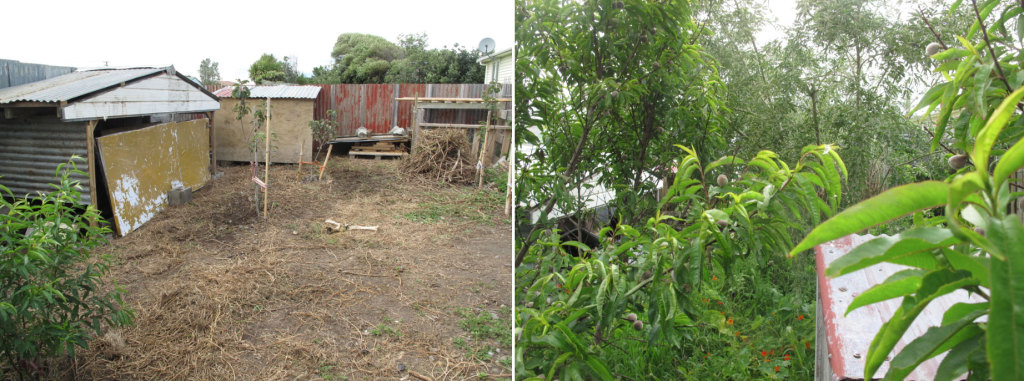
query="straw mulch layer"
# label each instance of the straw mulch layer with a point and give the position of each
(220, 294)
(443, 154)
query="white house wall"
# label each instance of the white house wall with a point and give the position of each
(161, 94)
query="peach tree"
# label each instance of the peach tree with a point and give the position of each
(52, 292)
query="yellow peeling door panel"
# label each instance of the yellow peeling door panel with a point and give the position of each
(140, 166)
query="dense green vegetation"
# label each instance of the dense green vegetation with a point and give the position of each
(745, 138)
(53, 297)
(366, 58)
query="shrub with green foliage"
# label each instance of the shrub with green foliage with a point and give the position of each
(52, 293)
(657, 299)
(977, 245)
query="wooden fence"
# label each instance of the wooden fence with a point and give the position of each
(375, 106)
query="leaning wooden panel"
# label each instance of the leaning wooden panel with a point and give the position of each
(142, 165)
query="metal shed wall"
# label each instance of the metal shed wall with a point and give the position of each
(32, 148)
(14, 73)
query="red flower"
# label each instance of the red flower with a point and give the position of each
(764, 353)
(807, 344)
(719, 302)
(771, 352)
(786, 358)
(559, 285)
(776, 369)
(728, 321)
(714, 277)
(707, 300)
(801, 317)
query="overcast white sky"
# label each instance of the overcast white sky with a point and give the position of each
(233, 33)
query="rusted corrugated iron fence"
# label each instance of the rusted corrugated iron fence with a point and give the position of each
(375, 106)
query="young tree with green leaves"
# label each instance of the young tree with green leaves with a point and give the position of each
(267, 68)
(208, 72)
(976, 245)
(605, 89)
(53, 295)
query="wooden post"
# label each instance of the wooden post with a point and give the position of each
(480, 157)
(266, 176)
(508, 189)
(90, 136)
(300, 160)
(416, 127)
(213, 144)
(326, 159)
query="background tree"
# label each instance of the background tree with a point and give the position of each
(208, 72)
(267, 68)
(420, 65)
(291, 70)
(363, 58)
(605, 92)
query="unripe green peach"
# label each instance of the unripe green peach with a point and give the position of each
(932, 49)
(638, 325)
(631, 317)
(957, 161)
(722, 180)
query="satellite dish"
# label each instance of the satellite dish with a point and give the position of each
(486, 46)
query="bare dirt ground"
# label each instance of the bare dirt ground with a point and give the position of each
(220, 294)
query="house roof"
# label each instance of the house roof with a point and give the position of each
(72, 85)
(495, 55)
(274, 92)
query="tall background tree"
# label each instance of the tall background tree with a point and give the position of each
(364, 58)
(267, 68)
(605, 96)
(208, 72)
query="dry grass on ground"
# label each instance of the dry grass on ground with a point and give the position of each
(220, 294)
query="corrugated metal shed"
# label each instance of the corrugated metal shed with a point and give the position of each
(275, 92)
(72, 85)
(14, 73)
(843, 341)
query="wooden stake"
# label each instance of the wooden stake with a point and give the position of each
(508, 186)
(329, 148)
(266, 162)
(90, 137)
(301, 144)
(480, 158)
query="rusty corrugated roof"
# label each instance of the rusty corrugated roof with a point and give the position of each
(72, 85)
(850, 336)
(275, 92)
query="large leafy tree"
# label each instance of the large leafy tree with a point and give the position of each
(267, 68)
(842, 74)
(605, 90)
(208, 72)
(446, 65)
(363, 58)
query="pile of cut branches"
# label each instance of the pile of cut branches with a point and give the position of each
(443, 154)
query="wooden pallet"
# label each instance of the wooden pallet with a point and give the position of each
(374, 154)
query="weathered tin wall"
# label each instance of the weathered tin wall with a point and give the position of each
(14, 73)
(32, 148)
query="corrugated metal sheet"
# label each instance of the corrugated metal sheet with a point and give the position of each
(375, 107)
(14, 73)
(29, 156)
(847, 338)
(71, 85)
(274, 92)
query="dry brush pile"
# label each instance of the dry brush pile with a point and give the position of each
(443, 154)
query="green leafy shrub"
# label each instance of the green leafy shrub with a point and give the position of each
(52, 294)
(977, 245)
(649, 294)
